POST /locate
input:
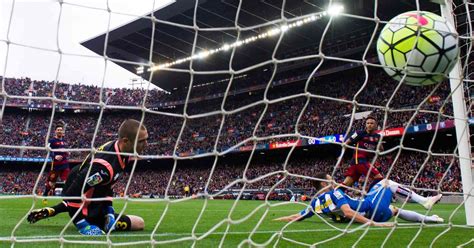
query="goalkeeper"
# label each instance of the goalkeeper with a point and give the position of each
(95, 217)
(341, 208)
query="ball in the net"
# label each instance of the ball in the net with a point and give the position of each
(417, 44)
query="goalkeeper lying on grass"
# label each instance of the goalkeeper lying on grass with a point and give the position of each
(341, 208)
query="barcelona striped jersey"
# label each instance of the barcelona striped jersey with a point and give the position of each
(364, 140)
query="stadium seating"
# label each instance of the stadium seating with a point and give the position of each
(320, 117)
(154, 179)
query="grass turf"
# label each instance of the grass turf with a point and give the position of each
(180, 219)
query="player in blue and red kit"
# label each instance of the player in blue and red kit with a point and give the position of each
(375, 205)
(360, 165)
(59, 162)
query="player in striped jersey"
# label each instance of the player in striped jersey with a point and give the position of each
(360, 165)
(336, 204)
(368, 140)
(59, 162)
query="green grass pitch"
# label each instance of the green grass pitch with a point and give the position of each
(181, 217)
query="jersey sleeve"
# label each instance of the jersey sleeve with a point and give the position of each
(99, 175)
(309, 211)
(338, 198)
(355, 137)
(381, 145)
(110, 194)
(50, 143)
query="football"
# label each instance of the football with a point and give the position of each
(420, 44)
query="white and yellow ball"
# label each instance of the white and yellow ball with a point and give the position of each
(434, 50)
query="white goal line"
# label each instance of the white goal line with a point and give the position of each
(56, 237)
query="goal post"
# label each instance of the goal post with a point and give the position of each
(461, 120)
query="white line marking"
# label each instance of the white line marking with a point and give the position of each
(408, 226)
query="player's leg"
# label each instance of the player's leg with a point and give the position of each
(50, 181)
(348, 181)
(413, 216)
(365, 168)
(380, 198)
(46, 212)
(50, 184)
(129, 223)
(39, 214)
(97, 216)
(352, 175)
(124, 223)
(63, 174)
(398, 189)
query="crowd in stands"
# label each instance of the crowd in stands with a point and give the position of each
(19, 182)
(226, 175)
(12, 133)
(20, 88)
(154, 178)
(319, 116)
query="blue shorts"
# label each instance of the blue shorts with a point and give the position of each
(378, 195)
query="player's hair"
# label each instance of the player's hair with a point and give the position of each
(59, 125)
(371, 118)
(317, 183)
(129, 128)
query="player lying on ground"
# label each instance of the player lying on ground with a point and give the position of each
(334, 202)
(95, 217)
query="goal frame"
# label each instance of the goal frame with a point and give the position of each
(461, 122)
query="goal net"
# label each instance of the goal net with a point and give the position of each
(259, 98)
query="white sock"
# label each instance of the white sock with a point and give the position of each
(414, 216)
(398, 189)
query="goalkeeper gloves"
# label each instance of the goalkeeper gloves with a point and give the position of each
(109, 219)
(87, 229)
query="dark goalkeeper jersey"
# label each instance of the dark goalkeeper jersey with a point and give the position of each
(106, 170)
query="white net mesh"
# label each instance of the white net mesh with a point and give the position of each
(213, 121)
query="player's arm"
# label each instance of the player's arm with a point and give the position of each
(65, 155)
(293, 217)
(51, 154)
(354, 138)
(62, 156)
(341, 202)
(55, 156)
(306, 213)
(349, 213)
(59, 157)
(381, 144)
